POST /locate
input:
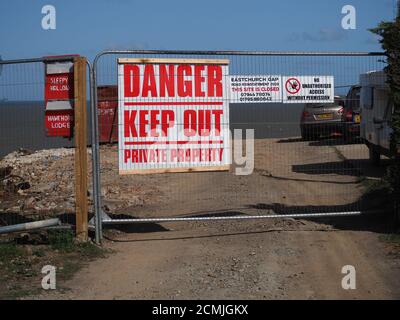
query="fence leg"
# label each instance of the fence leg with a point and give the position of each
(80, 118)
(95, 155)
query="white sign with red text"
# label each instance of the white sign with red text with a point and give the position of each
(255, 88)
(308, 89)
(173, 115)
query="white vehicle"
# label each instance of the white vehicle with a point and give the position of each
(376, 109)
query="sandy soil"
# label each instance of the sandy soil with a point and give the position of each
(260, 259)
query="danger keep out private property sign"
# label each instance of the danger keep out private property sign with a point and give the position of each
(173, 115)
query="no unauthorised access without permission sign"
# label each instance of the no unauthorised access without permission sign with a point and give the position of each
(173, 115)
(308, 89)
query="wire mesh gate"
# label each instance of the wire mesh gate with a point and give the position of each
(295, 174)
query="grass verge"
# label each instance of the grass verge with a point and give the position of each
(21, 261)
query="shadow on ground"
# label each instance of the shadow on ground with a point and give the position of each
(324, 141)
(352, 167)
(376, 207)
(339, 141)
(147, 227)
(379, 221)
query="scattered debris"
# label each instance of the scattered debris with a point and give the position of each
(43, 182)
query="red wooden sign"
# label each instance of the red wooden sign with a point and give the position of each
(59, 86)
(59, 123)
(59, 95)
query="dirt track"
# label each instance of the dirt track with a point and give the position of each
(281, 259)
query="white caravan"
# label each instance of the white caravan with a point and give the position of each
(376, 109)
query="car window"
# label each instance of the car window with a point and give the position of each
(354, 100)
(367, 97)
(339, 103)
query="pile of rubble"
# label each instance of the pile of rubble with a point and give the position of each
(42, 182)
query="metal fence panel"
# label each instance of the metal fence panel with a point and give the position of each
(293, 175)
(36, 171)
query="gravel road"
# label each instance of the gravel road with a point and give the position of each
(260, 259)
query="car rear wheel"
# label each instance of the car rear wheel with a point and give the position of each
(374, 155)
(346, 135)
(306, 135)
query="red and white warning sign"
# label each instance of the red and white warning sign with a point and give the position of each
(173, 115)
(255, 89)
(292, 85)
(308, 89)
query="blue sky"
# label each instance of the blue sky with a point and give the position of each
(87, 27)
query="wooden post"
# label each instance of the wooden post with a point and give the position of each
(80, 129)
